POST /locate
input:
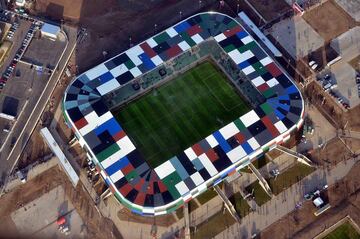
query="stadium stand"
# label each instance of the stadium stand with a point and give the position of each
(163, 189)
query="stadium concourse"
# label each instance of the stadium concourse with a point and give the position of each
(161, 190)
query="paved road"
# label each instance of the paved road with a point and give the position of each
(29, 118)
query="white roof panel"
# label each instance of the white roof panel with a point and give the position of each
(108, 86)
(94, 121)
(249, 118)
(253, 143)
(96, 71)
(235, 55)
(164, 169)
(151, 42)
(246, 55)
(119, 70)
(236, 154)
(266, 61)
(258, 81)
(212, 141)
(116, 176)
(157, 60)
(182, 188)
(220, 37)
(197, 38)
(272, 82)
(229, 130)
(208, 165)
(248, 70)
(190, 153)
(133, 53)
(280, 126)
(171, 32)
(184, 46)
(197, 179)
(136, 72)
(247, 39)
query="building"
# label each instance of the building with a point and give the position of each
(161, 190)
(50, 31)
(20, 3)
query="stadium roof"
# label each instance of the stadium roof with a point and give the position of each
(161, 190)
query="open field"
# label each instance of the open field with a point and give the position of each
(346, 230)
(329, 20)
(178, 114)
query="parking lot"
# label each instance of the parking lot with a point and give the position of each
(25, 72)
(342, 74)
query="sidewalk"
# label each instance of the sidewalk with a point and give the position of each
(285, 202)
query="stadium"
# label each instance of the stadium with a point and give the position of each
(178, 113)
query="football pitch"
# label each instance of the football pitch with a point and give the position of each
(183, 111)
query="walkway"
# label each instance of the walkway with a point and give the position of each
(285, 202)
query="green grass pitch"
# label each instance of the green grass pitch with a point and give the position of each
(183, 111)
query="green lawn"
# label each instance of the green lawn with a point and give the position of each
(260, 162)
(206, 196)
(344, 231)
(215, 224)
(192, 205)
(240, 204)
(183, 111)
(260, 195)
(289, 177)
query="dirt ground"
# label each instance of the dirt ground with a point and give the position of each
(270, 9)
(97, 226)
(110, 23)
(164, 220)
(334, 152)
(36, 148)
(58, 9)
(329, 20)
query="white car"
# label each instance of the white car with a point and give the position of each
(311, 63)
(314, 66)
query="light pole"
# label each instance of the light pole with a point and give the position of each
(180, 13)
(237, 8)
(199, 4)
(130, 41)
(155, 27)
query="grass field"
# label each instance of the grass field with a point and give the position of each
(213, 226)
(289, 177)
(344, 231)
(261, 197)
(183, 111)
(240, 204)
